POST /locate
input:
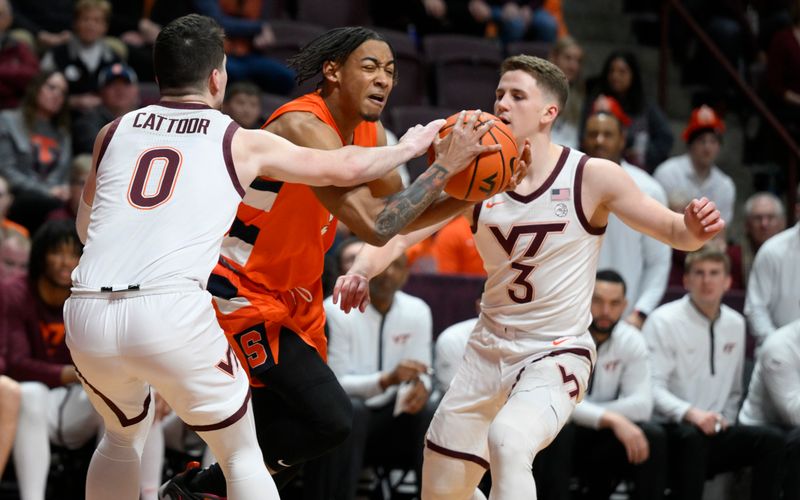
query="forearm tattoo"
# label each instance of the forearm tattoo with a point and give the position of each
(405, 206)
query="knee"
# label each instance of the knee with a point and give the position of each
(33, 401)
(10, 394)
(508, 445)
(338, 422)
(446, 478)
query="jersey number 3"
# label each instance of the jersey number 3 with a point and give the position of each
(522, 290)
(154, 177)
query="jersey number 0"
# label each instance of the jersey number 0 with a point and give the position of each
(154, 177)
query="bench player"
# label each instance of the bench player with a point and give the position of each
(529, 359)
(164, 189)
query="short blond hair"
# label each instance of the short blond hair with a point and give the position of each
(547, 75)
(707, 253)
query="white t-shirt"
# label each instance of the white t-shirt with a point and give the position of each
(678, 178)
(450, 347)
(642, 261)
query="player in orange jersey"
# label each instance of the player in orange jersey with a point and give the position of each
(267, 285)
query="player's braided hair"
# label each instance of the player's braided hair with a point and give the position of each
(335, 45)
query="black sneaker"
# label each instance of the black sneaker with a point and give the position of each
(178, 488)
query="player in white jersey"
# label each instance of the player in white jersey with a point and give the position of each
(529, 358)
(166, 182)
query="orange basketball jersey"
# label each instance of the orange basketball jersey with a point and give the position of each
(281, 233)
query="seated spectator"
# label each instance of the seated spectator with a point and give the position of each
(764, 217)
(567, 54)
(246, 35)
(518, 19)
(35, 149)
(454, 250)
(610, 437)
(697, 347)
(78, 173)
(18, 64)
(55, 408)
(721, 243)
(119, 94)
(774, 396)
(86, 54)
(449, 351)
(772, 292)
(783, 72)
(243, 104)
(9, 388)
(426, 16)
(643, 262)
(381, 358)
(6, 200)
(649, 139)
(15, 250)
(695, 174)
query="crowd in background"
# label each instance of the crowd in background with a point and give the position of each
(69, 67)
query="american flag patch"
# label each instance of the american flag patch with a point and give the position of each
(561, 194)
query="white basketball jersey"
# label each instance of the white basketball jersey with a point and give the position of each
(166, 194)
(540, 254)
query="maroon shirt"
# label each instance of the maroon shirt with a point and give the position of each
(36, 347)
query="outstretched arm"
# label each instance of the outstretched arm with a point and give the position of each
(261, 153)
(609, 189)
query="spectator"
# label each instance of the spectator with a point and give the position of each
(697, 347)
(649, 135)
(783, 72)
(695, 173)
(246, 36)
(78, 173)
(131, 22)
(518, 19)
(35, 149)
(85, 54)
(642, 261)
(119, 93)
(773, 293)
(18, 65)
(425, 16)
(48, 20)
(450, 347)
(243, 104)
(39, 358)
(6, 200)
(454, 250)
(9, 388)
(15, 249)
(763, 218)
(774, 396)
(567, 54)
(381, 358)
(610, 437)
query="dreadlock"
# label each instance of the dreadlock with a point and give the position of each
(335, 45)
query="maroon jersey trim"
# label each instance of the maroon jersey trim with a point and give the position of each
(106, 141)
(228, 155)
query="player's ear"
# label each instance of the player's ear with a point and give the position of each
(330, 71)
(550, 113)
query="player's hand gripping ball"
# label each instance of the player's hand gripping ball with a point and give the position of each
(489, 173)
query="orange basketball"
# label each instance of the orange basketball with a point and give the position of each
(489, 173)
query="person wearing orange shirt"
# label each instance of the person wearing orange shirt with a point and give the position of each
(454, 249)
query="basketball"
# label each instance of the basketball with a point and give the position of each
(489, 173)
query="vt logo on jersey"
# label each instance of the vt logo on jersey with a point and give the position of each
(539, 233)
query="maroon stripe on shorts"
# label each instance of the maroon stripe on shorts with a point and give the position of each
(225, 423)
(125, 421)
(460, 455)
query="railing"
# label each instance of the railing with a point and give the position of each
(792, 149)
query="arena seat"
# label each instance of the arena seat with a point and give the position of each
(401, 118)
(410, 89)
(334, 14)
(290, 37)
(465, 70)
(538, 49)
